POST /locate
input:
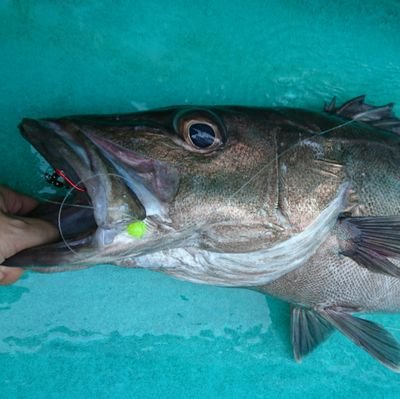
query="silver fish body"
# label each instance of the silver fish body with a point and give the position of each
(293, 203)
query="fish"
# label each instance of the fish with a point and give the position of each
(296, 204)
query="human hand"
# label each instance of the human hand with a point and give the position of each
(18, 232)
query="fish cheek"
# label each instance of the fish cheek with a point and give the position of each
(309, 177)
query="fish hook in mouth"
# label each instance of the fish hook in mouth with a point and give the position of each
(111, 187)
(93, 216)
(54, 179)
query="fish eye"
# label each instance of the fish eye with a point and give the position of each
(201, 135)
(201, 130)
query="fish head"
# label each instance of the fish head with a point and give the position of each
(203, 177)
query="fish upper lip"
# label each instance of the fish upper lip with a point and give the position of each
(63, 149)
(160, 180)
(41, 135)
(66, 146)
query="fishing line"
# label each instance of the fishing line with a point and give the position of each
(42, 199)
(317, 134)
(76, 186)
(63, 203)
(61, 173)
(59, 220)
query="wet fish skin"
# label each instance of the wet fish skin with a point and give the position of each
(296, 204)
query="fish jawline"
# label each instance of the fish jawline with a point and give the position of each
(249, 269)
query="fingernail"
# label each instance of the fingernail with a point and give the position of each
(2, 276)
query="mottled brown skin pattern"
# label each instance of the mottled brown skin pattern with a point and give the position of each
(294, 183)
(297, 175)
(370, 162)
(269, 176)
(248, 219)
(296, 204)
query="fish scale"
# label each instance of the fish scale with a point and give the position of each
(293, 203)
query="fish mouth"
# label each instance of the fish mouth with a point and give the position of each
(109, 187)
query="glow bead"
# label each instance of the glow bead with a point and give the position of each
(136, 229)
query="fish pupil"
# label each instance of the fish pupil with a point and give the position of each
(201, 135)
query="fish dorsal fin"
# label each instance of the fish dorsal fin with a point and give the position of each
(371, 241)
(381, 117)
(308, 330)
(373, 338)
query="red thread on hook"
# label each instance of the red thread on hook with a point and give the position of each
(62, 174)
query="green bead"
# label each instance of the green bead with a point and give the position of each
(136, 229)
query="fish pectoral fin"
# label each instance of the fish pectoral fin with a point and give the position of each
(371, 337)
(371, 241)
(381, 117)
(308, 330)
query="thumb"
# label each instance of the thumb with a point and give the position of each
(19, 233)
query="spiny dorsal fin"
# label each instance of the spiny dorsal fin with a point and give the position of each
(308, 330)
(381, 117)
(371, 241)
(373, 338)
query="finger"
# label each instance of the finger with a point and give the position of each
(19, 233)
(15, 203)
(9, 275)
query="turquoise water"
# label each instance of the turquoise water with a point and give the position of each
(116, 333)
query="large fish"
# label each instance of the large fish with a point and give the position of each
(301, 205)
